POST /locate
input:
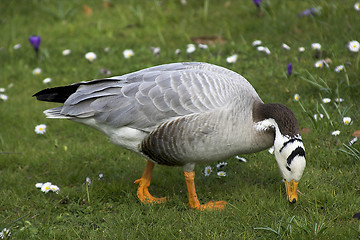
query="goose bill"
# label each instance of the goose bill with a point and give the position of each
(291, 188)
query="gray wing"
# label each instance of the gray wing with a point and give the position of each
(151, 96)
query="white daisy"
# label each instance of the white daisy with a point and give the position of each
(128, 53)
(40, 129)
(326, 100)
(347, 120)
(17, 46)
(221, 165)
(221, 174)
(100, 176)
(316, 46)
(37, 71)
(39, 185)
(155, 50)
(339, 100)
(88, 181)
(232, 58)
(55, 189)
(339, 68)
(301, 49)
(203, 46)
(90, 56)
(66, 52)
(177, 51)
(3, 97)
(47, 80)
(2, 90)
(107, 49)
(46, 187)
(357, 6)
(319, 64)
(241, 159)
(320, 116)
(190, 48)
(285, 46)
(354, 46)
(335, 133)
(260, 48)
(207, 171)
(256, 43)
(5, 234)
(352, 141)
(267, 51)
(296, 97)
(271, 150)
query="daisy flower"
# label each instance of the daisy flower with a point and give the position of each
(221, 174)
(47, 80)
(203, 46)
(46, 187)
(207, 171)
(347, 120)
(256, 43)
(2, 89)
(155, 50)
(3, 97)
(241, 159)
(39, 185)
(316, 46)
(66, 52)
(285, 46)
(352, 141)
(232, 58)
(267, 51)
(17, 46)
(271, 150)
(37, 71)
(190, 48)
(88, 181)
(128, 53)
(339, 68)
(320, 116)
(221, 165)
(40, 129)
(357, 6)
(55, 189)
(354, 46)
(339, 100)
(301, 49)
(319, 64)
(5, 233)
(107, 49)
(100, 176)
(335, 133)
(90, 56)
(177, 51)
(326, 100)
(296, 97)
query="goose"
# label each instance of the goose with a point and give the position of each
(182, 114)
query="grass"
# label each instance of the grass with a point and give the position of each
(108, 208)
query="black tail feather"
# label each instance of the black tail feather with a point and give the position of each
(56, 94)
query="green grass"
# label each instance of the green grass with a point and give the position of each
(109, 208)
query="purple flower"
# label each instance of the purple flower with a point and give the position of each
(35, 42)
(257, 3)
(310, 11)
(289, 69)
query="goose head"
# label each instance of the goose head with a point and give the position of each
(288, 146)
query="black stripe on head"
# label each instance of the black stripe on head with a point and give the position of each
(290, 141)
(299, 151)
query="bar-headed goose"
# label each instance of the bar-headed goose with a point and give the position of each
(182, 114)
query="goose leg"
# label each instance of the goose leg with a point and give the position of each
(144, 183)
(194, 201)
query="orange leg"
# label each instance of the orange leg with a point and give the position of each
(144, 183)
(194, 201)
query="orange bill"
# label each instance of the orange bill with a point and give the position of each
(291, 188)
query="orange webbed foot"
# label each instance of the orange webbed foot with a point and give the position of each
(143, 192)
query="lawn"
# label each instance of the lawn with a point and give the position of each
(108, 208)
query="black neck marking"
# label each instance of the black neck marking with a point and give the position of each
(299, 151)
(290, 141)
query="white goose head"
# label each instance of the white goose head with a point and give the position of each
(288, 146)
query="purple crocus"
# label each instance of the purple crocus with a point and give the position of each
(35, 42)
(289, 69)
(307, 12)
(257, 3)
